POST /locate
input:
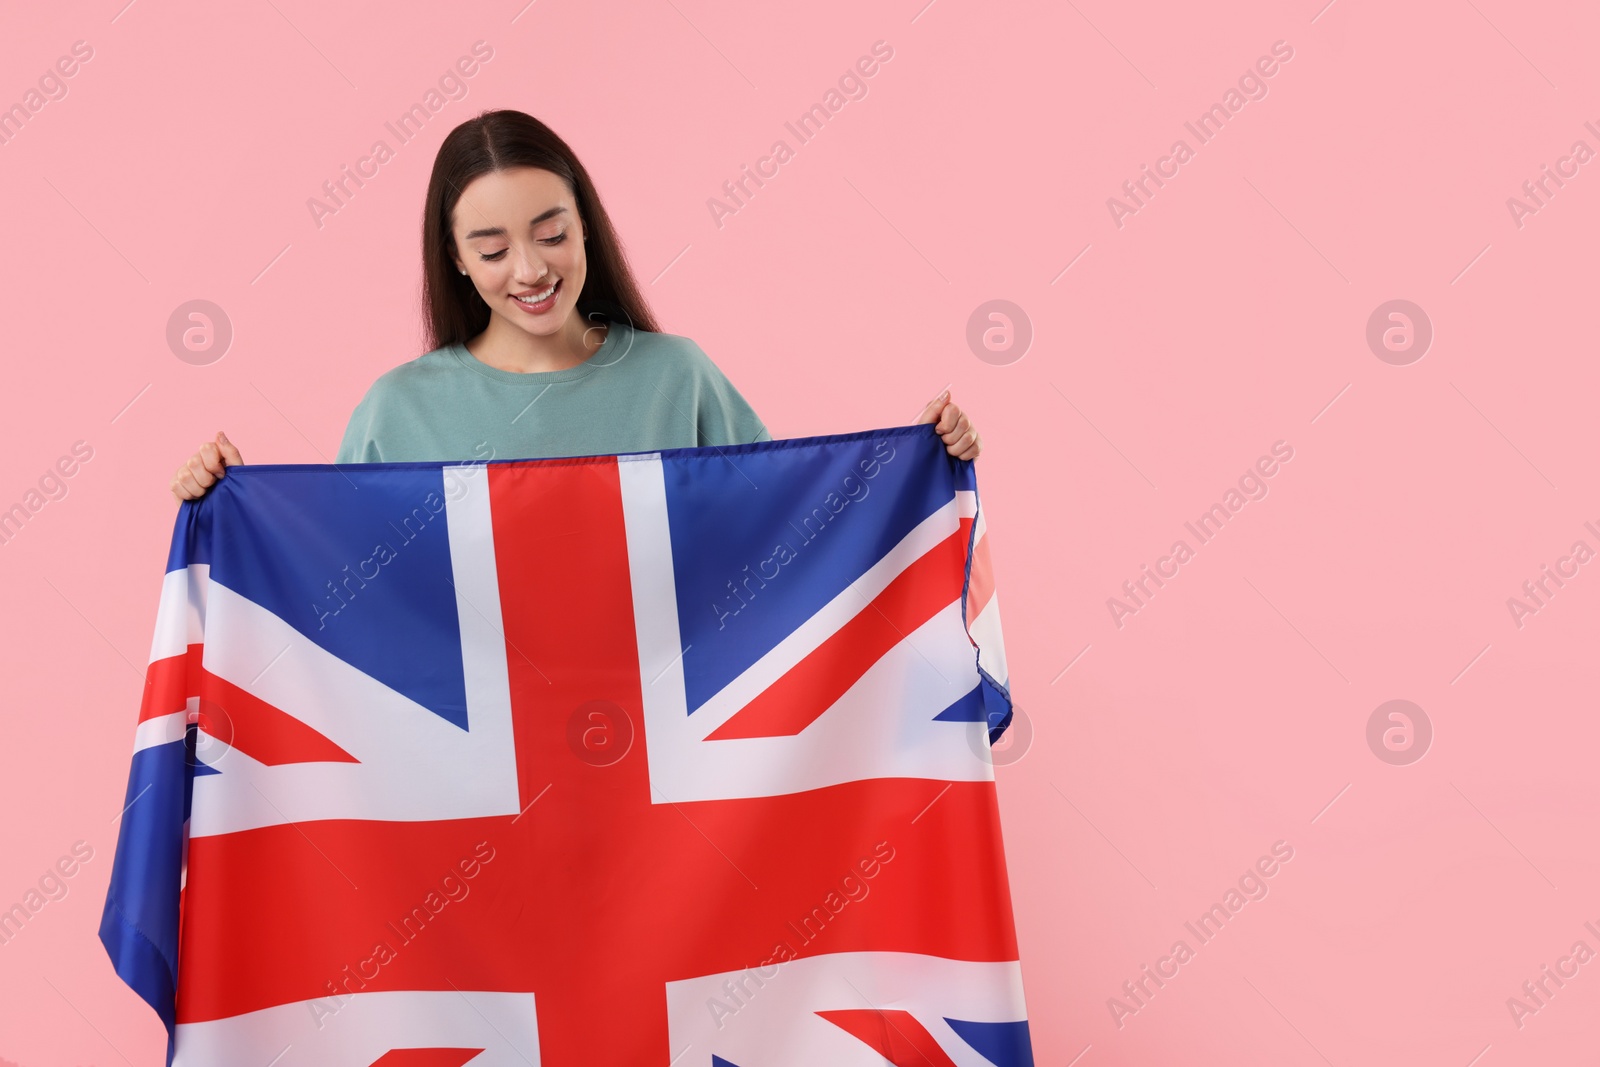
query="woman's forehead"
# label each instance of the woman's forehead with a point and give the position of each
(520, 197)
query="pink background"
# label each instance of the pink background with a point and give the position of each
(1230, 312)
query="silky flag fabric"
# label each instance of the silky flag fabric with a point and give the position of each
(677, 757)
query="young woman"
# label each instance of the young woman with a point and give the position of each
(542, 343)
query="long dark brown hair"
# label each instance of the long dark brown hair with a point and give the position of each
(499, 140)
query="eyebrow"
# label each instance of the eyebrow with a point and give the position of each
(500, 231)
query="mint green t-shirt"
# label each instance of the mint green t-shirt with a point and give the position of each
(639, 392)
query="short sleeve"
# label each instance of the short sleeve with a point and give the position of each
(358, 445)
(723, 415)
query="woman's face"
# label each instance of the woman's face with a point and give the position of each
(517, 233)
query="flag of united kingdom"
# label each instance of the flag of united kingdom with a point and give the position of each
(664, 758)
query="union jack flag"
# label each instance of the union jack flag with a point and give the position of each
(659, 758)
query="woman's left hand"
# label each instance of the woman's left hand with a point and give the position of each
(954, 428)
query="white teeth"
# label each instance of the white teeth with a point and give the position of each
(536, 297)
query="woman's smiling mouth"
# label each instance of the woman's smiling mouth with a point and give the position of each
(538, 301)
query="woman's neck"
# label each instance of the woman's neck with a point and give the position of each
(507, 348)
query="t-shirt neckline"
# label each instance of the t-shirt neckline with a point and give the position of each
(601, 357)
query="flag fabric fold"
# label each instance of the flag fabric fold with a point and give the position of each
(675, 757)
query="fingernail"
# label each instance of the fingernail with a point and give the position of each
(223, 436)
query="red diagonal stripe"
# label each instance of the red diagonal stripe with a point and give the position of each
(232, 715)
(814, 684)
(894, 1035)
(981, 585)
(260, 730)
(166, 684)
(426, 1057)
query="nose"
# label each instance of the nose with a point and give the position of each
(530, 267)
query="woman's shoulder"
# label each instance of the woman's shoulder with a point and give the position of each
(420, 372)
(669, 352)
(692, 374)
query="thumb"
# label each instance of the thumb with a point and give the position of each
(930, 412)
(230, 454)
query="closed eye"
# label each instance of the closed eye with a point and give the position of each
(557, 239)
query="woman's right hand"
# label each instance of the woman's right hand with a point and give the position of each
(204, 468)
